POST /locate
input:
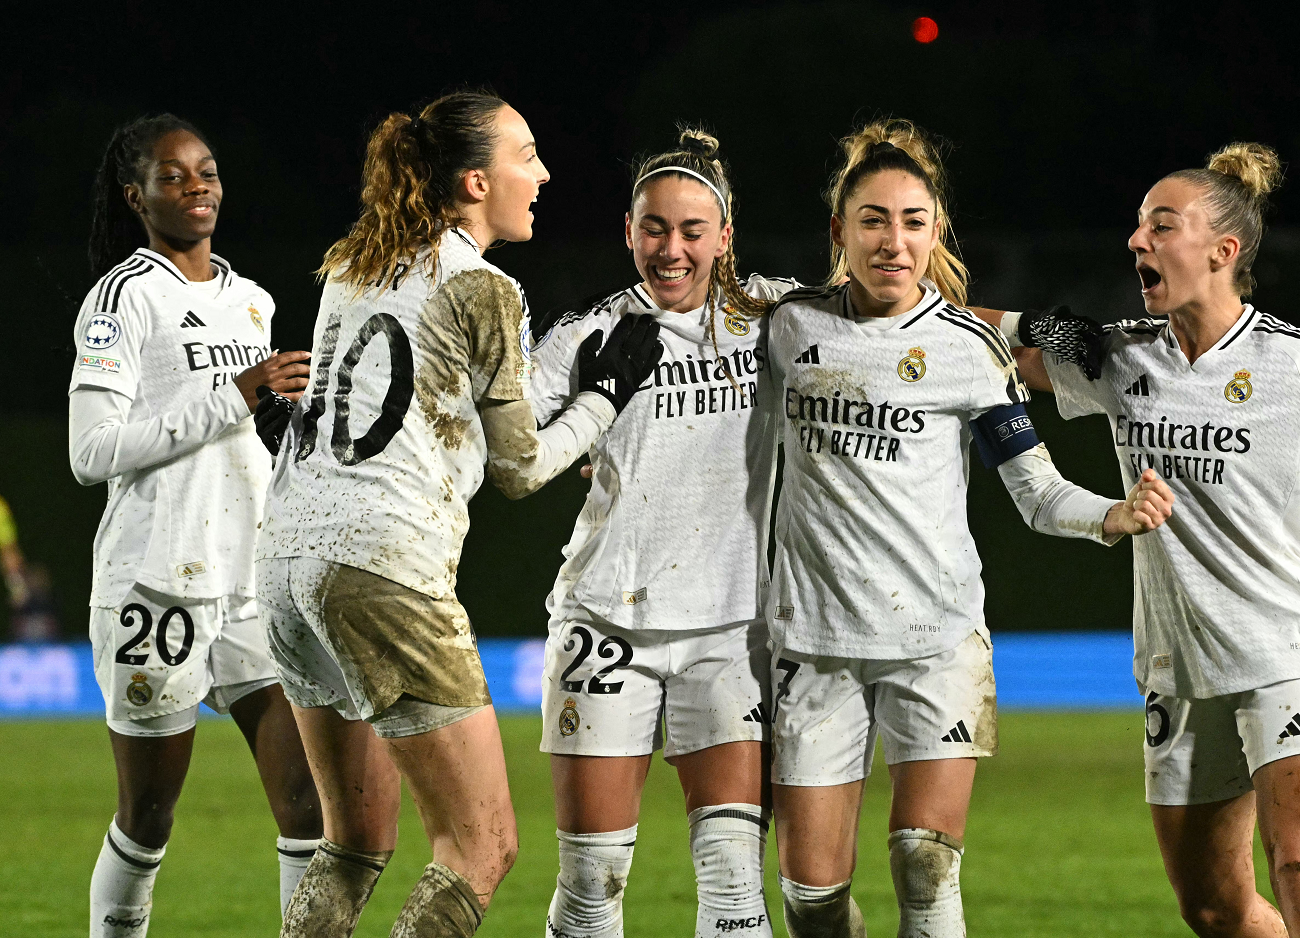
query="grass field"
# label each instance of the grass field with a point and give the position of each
(1059, 842)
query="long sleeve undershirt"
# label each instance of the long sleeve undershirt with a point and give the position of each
(103, 445)
(1051, 504)
(521, 458)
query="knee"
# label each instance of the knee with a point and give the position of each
(297, 811)
(1210, 917)
(145, 819)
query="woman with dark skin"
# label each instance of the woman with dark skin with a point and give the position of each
(171, 345)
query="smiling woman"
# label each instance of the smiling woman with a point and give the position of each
(171, 345)
(877, 606)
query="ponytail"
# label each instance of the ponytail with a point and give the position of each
(1236, 182)
(408, 186)
(115, 229)
(900, 144)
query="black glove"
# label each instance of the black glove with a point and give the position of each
(1076, 339)
(619, 369)
(271, 417)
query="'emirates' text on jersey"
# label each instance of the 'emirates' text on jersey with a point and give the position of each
(386, 447)
(185, 527)
(673, 534)
(1217, 588)
(874, 558)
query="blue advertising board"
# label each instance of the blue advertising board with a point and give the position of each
(1080, 670)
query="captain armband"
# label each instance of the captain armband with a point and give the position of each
(1003, 433)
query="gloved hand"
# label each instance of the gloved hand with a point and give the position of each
(619, 369)
(271, 417)
(1076, 339)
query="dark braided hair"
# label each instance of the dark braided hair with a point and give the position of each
(115, 229)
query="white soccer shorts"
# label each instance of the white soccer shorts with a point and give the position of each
(1199, 751)
(608, 691)
(829, 711)
(158, 655)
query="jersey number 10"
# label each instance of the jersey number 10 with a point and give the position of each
(401, 386)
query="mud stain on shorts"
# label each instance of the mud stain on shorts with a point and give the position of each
(986, 710)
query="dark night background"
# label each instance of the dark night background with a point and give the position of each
(1061, 117)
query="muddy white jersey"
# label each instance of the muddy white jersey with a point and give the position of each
(1216, 589)
(185, 527)
(874, 558)
(673, 534)
(386, 448)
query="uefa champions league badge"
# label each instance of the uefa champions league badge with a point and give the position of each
(736, 324)
(102, 332)
(1238, 390)
(569, 718)
(138, 692)
(912, 367)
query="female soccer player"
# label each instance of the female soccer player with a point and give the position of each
(1205, 394)
(657, 612)
(171, 344)
(421, 373)
(877, 605)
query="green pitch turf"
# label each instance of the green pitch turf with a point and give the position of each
(1059, 842)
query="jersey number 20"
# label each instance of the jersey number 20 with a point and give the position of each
(401, 386)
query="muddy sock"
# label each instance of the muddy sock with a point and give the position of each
(821, 911)
(333, 891)
(442, 905)
(727, 842)
(926, 866)
(588, 900)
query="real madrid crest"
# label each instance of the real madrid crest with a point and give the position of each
(1238, 390)
(736, 324)
(139, 692)
(257, 318)
(912, 368)
(569, 718)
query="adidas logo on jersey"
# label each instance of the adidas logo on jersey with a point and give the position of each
(191, 320)
(809, 356)
(757, 715)
(1139, 388)
(1291, 729)
(957, 734)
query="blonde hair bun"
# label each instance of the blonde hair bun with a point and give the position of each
(1256, 165)
(694, 140)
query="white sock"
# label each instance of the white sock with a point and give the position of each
(727, 845)
(926, 866)
(121, 888)
(821, 911)
(588, 900)
(295, 855)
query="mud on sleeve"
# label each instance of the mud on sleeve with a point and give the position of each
(491, 314)
(1050, 503)
(521, 458)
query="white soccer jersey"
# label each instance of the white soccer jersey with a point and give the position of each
(673, 534)
(1217, 588)
(874, 558)
(386, 447)
(185, 527)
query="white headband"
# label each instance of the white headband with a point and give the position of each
(689, 172)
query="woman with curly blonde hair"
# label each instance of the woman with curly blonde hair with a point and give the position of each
(420, 375)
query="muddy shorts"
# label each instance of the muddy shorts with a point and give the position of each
(829, 711)
(157, 656)
(1204, 750)
(608, 691)
(358, 642)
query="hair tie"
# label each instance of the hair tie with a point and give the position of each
(416, 124)
(880, 147)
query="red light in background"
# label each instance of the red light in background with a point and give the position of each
(925, 29)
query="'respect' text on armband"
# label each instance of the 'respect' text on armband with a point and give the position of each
(1003, 433)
